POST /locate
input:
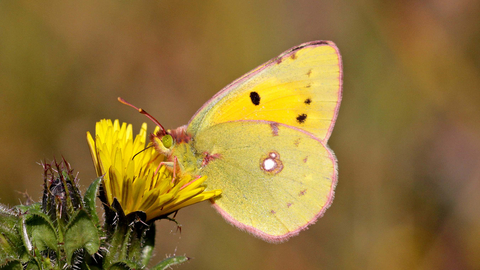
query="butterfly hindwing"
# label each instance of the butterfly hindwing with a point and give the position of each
(275, 179)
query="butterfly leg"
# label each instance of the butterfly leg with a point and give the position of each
(172, 165)
(175, 163)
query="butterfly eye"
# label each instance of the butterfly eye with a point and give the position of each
(167, 141)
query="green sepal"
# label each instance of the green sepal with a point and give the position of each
(61, 196)
(84, 266)
(148, 238)
(89, 199)
(12, 265)
(80, 233)
(119, 234)
(141, 243)
(40, 231)
(131, 239)
(32, 265)
(168, 262)
(119, 266)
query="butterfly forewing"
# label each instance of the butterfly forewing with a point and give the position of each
(300, 88)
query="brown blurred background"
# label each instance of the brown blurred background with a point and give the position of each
(407, 137)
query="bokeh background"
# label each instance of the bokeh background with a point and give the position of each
(407, 137)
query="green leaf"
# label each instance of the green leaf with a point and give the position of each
(40, 231)
(12, 265)
(7, 248)
(11, 245)
(81, 232)
(90, 198)
(168, 262)
(36, 207)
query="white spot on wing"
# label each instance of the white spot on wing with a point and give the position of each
(271, 163)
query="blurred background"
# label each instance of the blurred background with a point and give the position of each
(407, 137)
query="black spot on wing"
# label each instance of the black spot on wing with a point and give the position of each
(255, 98)
(308, 101)
(301, 118)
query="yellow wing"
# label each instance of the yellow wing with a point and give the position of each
(300, 88)
(275, 180)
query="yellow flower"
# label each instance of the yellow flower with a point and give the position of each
(129, 173)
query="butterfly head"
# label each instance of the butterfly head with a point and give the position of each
(163, 142)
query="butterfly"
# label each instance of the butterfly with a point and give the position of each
(262, 140)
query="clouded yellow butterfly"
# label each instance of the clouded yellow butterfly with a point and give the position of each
(262, 140)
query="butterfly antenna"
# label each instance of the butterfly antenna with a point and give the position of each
(142, 151)
(142, 111)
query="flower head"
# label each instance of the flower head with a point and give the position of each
(133, 174)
